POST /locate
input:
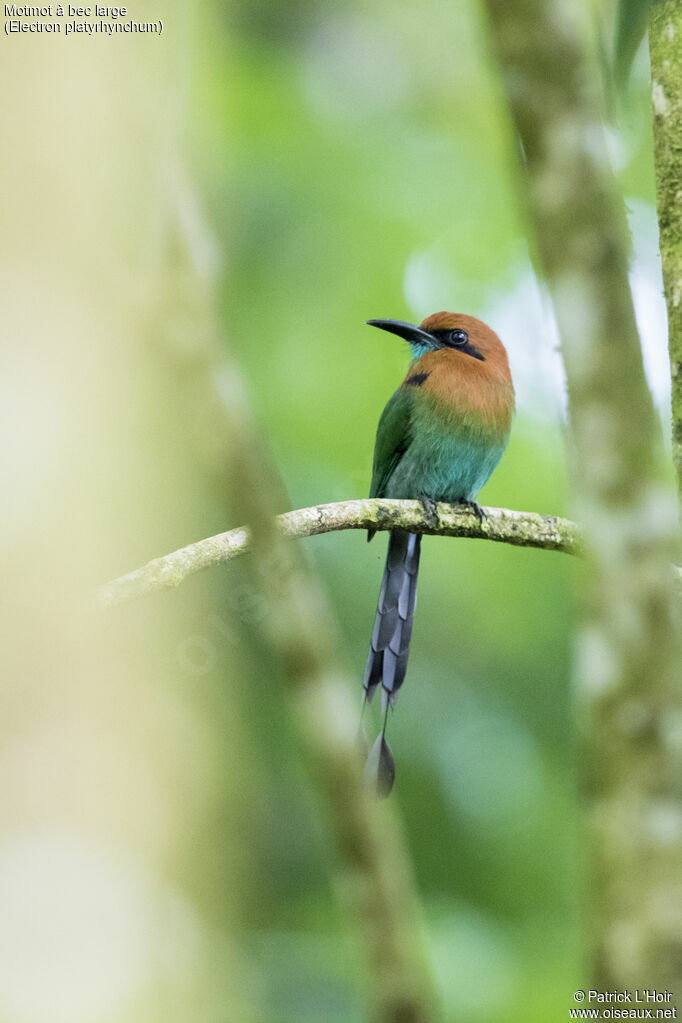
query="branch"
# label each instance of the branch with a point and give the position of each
(521, 529)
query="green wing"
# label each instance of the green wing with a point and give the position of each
(394, 435)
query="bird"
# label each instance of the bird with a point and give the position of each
(439, 438)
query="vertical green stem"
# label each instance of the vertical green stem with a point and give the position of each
(373, 875)
(665, 48)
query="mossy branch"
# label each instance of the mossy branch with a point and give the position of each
(665, 29)
(521, 529)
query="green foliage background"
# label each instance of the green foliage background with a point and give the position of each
(332, 144)
(162, 834)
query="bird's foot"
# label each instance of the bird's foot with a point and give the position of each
(431, 511)
(476, 509)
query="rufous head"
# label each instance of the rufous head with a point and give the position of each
(456, 332)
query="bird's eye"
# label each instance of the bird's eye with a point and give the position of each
(458, 337)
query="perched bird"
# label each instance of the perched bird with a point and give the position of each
(439, 438)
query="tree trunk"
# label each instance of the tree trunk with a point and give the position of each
(627, 670)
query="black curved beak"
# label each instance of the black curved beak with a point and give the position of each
(407, 331)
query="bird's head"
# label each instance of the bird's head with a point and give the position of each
(448, 331)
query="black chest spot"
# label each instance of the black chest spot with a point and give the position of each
(417, 379)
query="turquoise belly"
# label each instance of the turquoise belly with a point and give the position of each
(445, 468)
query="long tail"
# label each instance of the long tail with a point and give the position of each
(389, 649)
(390, 646)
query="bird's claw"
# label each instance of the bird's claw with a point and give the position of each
(430, 511)
(476, 509)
